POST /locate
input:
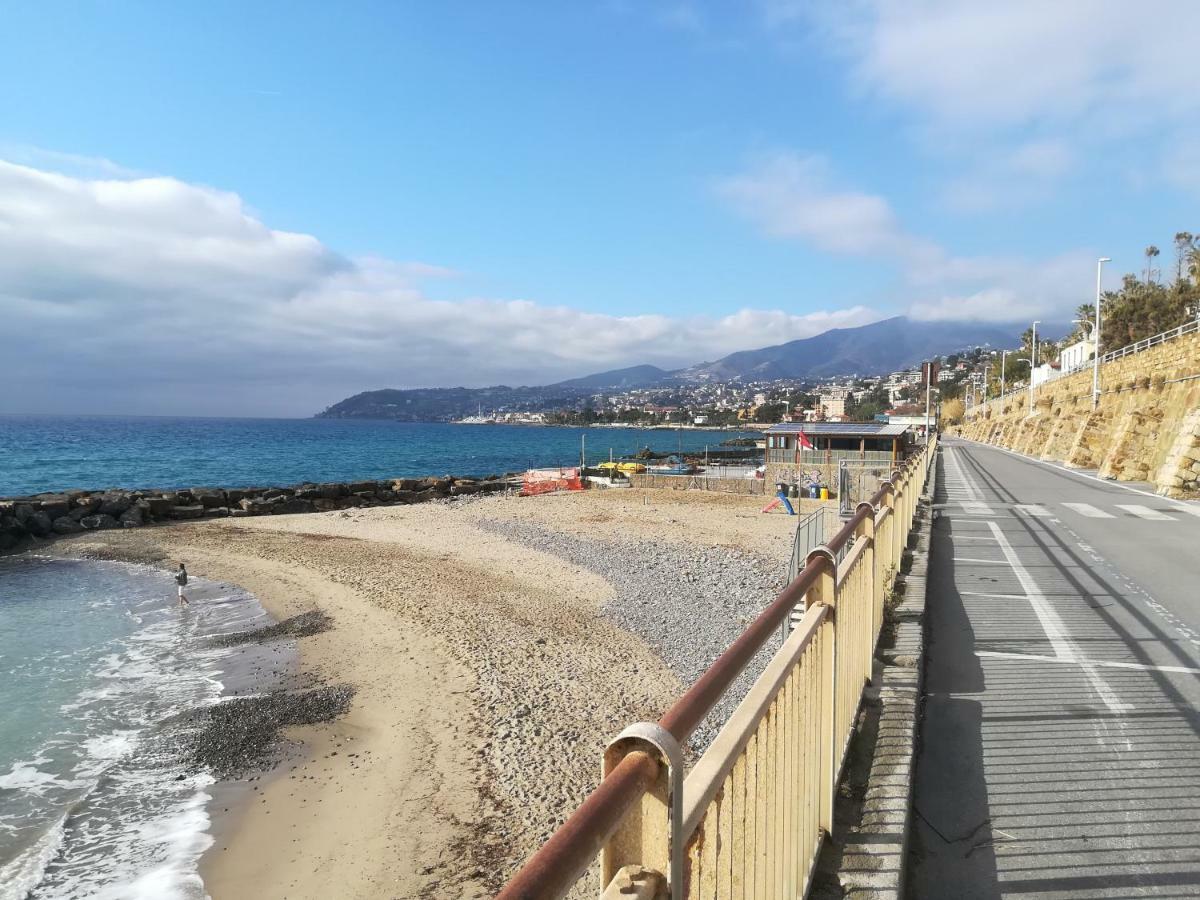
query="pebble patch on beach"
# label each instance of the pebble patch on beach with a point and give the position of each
(688, 604)
(303, 625)
(238, 736)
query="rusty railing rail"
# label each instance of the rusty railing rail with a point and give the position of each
(759, 802)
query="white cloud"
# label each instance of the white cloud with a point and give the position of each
(795, 197)
(154, 295)
(964, 63)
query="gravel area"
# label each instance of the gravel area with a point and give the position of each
(240, 736)
(303, 625)
(688, 604)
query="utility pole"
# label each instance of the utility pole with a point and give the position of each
(1003, 360)
(1032, 365)
(1096, 354)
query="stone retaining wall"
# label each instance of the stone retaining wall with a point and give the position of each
(23, 519)
(1146, 427)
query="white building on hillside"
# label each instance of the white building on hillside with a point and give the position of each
(1077, 355)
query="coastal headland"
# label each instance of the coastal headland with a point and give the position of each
(493, 644)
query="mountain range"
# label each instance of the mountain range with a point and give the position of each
(875, 349)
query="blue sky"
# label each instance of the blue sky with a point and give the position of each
(566, 186)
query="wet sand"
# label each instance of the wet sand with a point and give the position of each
(486, 678)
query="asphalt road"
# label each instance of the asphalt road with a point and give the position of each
(1060, 738)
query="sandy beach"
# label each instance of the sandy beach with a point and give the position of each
(489, 670)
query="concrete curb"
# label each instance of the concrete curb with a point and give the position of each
(875, 848)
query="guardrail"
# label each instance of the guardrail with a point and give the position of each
(1127, 350)
(751, 815)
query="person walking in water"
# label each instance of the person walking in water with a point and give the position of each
(181, 581)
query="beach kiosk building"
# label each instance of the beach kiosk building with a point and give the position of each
(807, 452)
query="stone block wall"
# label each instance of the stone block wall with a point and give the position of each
(1146, 427)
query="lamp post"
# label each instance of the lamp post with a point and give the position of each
(1096, 356)
(1032, 364)
(1003, 360)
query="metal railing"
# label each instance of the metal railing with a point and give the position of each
(802, 457)
(750, 817)
(1147, 343)
(1127, 350)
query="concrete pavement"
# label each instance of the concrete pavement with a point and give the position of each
(1060, 741)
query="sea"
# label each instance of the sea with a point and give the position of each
(55, 453)
(97, 661)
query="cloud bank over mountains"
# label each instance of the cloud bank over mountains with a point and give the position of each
(158, 296)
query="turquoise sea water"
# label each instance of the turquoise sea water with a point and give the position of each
(53, 453)
(96, 660)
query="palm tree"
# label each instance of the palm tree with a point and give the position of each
(1151, 252)
(1183, 246)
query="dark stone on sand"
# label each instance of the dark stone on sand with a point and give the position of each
(217, 512)
(160, 506)
(66, 525)
(99, 522)
(256, 507)
(133, 517)
(209, 498)
(115, 503)
(294, 505)
(303, 625)
(241, 735)
(55, 507)
(193, 511)
(40, 523)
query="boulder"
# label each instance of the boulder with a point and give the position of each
(99, 521)
(464, 487)
(272, 493)
(406, 484)
(114, 503)
(217, 512)
(89, 503)
(22, 511)
(40, 523)
(233, 495)
(238, 513)
(134, 517)
(405, 496)
(191, 511)
(159, 506)
(324, 504)
(294, 505)
(66, 525)
(256, 507)
(320, 491)
(81, 512)
(209, 498)
(361, 487)
(55, 506)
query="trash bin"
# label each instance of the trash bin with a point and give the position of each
(824, 493)
(814, 492)
(795, 491)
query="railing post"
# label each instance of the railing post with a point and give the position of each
(649, 835)
(866, 531)
(824, 590)
(897, 481)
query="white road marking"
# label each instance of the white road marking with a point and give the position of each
(994, 562)
(1145, 512)
(1145, 667)
(974, 537)
(995, 596)
(1086, 509)
(975, 506)
(1033, 509)
(1056, 631)
(1189, 507)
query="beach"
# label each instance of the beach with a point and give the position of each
(493, 644)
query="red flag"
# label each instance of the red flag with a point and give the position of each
(804, 441)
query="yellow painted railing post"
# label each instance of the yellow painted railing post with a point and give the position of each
(866, 532)
(824, 591)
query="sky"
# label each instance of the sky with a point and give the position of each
(260, 208)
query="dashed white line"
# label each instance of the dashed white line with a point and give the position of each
(1086, 509)
(1145, 512)
(1109, 664)
(1056, 630)
(1033, 509)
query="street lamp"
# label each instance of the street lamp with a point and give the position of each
(1096, 356)
(1032, 363)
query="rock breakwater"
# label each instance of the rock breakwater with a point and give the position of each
(24, 520)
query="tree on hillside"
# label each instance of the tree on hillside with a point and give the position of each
(952, 411)
(1151, 272)
(1184, 244)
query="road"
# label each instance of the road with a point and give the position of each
(1060, 738)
